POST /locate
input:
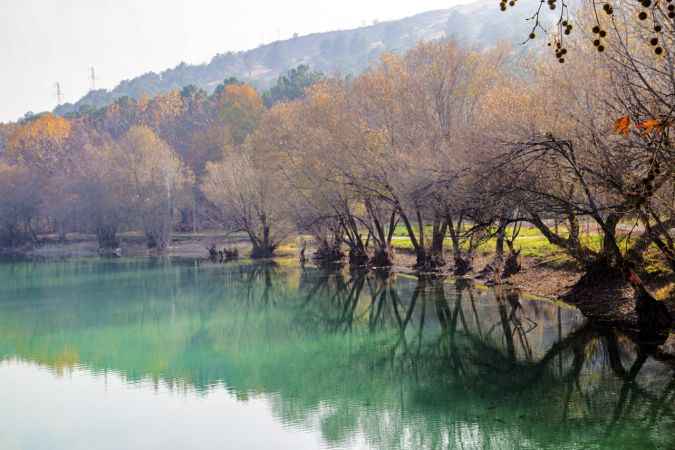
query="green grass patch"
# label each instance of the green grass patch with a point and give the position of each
(530, 242)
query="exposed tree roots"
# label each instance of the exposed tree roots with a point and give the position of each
(463, 265)
(501, 268)
(609, 295)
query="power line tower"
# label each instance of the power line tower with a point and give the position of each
(92, 78)
(59, 94)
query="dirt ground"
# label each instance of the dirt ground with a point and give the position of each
(131, 245)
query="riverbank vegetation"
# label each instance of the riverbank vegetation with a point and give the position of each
(450, 147)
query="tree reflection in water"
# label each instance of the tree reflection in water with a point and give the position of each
(395, 361)
(489, 352)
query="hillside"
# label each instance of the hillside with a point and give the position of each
(346, 52)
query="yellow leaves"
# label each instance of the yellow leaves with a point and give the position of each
(240, 108)
(40, 141)
(163, 108)
(392, 61)
(622, 125)
(47, 126)
(242, 96)
(150, 168)
(320, 99)
(665, 292)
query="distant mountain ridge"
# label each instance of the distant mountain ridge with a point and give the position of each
(479, 24)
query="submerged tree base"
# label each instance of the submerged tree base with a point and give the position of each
(358, 258)
(463, 265)
(110, 252)
(325, 255)
(107, 239)
(606, 295)
(512, 264)
(383, 258)
(11, 240)
(156, 243)
(429, 262)
(224, 255)
(262, 252)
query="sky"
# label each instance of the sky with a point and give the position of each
(43, 42)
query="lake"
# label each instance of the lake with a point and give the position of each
(179, 354)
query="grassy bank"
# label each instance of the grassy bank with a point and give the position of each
(548, 270)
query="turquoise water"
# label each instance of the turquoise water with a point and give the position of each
(160, 354)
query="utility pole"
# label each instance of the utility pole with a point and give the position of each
(92, 77)
(59, 94)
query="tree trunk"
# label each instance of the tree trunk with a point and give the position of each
(106, 235)
(511, 264)
(463, 264)
(358, 255)
(501, 236)
(411, 232)
(571, 245)
(610, 248)
(62, 231)
(440, 228)
(383, 257)
(262, 251)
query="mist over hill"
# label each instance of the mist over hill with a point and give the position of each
(479, 24)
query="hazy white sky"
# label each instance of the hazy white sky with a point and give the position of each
(45, 41)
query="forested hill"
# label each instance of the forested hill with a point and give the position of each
(344, 52)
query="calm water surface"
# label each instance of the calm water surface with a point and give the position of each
(157, 354)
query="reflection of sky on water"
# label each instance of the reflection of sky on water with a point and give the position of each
(79, 410)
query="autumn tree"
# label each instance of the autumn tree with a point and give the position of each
(238, 180)
(43, 145)
(156, 182)
(327, 151)
(640, 59)
(418, 109)
(40, 143)
(309, 135)
(164, 114)
(118, 117)
(249, 198)
(240, 107)
(581, 167)
(100, 185)
(19, 204)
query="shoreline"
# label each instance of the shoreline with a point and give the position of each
(538, 278)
